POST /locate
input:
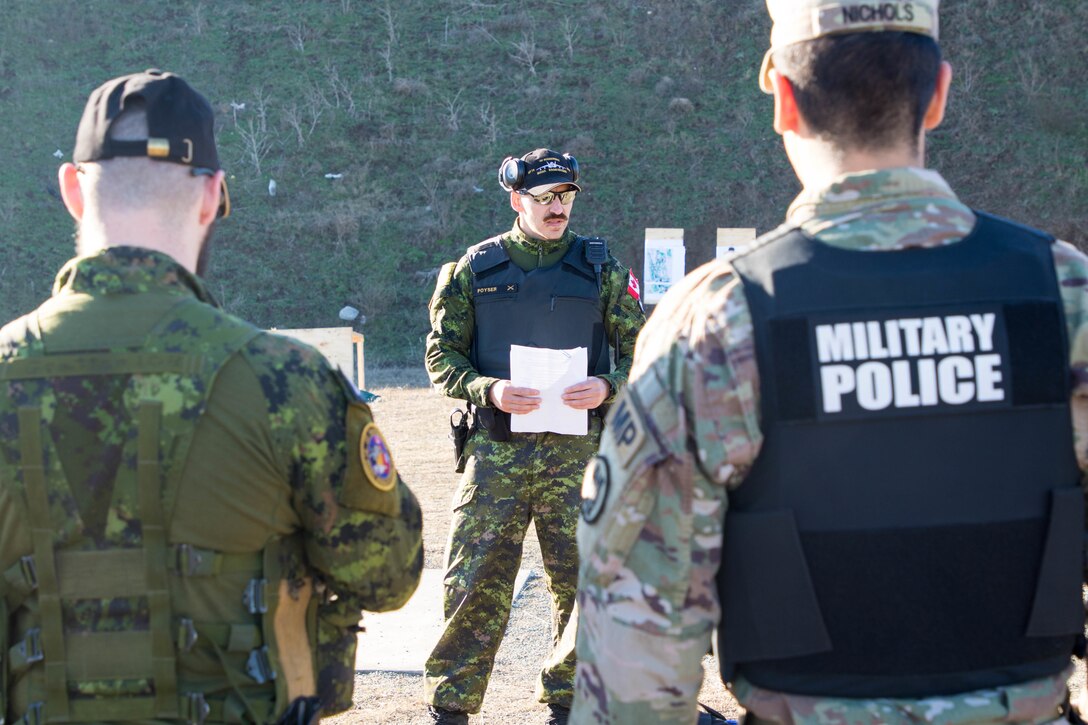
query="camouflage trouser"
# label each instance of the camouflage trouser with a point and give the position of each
(533, 477)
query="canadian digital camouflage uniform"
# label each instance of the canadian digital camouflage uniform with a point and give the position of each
(141, 426)
(648, 600)
(532, 477)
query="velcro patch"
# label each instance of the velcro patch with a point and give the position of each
(595, 486)
(501, 289)
(376, 459)
(371, 478)
(627, 428)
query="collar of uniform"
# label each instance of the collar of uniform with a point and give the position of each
(128, 270)
(850, 192)
(532, 245)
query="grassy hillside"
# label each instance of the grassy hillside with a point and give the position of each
(415, 102)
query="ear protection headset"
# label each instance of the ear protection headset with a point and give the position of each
(512, 172)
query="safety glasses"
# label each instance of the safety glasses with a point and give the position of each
(565, 197)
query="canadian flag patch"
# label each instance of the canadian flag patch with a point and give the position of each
(632, 285)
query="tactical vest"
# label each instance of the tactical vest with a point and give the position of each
(913, 524)
(177, 620)
(557, 307)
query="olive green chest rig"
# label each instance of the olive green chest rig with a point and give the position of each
(127, 626)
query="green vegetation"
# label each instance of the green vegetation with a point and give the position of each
(415, 102)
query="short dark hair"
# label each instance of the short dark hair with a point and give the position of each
(863, 90)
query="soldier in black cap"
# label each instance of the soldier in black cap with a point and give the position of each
(194, 511)
(538, 285)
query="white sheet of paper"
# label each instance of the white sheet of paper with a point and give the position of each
(550, 372)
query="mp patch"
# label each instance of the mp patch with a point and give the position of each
(376, 459)
(628, 430)
(595, 485)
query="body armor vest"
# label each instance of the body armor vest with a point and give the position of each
(176, 620)
(913, 524)
(557, 307)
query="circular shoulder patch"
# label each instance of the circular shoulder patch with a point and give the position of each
(376, 459)
(595, 485)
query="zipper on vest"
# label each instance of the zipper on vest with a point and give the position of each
(553, 303)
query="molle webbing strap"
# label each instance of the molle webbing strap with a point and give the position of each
(275, 553)
(191, 708)
(188, 560)
(227, 637)
(18, 581)
(41, 533)
(101, 574)
(111, 710)
(109, 656)
(149, 481)
(104, 363)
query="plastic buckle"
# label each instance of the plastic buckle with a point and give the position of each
(30, 648)
(33, 714)
(254, 598)
(259, 666)
(30, 571)
(198, 708)
(190, 559)
(187, 635)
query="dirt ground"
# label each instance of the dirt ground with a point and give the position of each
(414, 420)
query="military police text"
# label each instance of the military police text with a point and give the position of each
(935, 365)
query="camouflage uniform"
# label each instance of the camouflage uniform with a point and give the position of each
(532, 477)
(648, 600)
(273, 506)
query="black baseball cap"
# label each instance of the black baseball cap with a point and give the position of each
(545, 169)
(180, 124)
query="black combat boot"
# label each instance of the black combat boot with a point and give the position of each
(447, 717)
(710, 716)
(557, 715)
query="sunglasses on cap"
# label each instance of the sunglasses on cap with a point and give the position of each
(565, 197)
(224, 197)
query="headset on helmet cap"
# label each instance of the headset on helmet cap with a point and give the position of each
(538, 171)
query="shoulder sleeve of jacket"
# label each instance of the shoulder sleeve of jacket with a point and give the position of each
(363, 526)
(1072, 269)
(624, 318)
(652, 518)
(449, 343)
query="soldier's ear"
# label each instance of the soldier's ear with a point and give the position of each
(516, 202)
(787, 117)
(937, 104)
(209, 199)
(70, 191)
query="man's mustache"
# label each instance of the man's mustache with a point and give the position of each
(557, 217)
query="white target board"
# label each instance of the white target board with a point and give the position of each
(663, 262)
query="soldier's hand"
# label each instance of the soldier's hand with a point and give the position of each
(587, 394)
(509, 399)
